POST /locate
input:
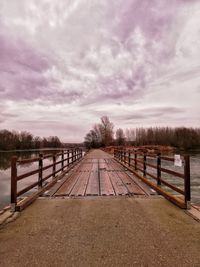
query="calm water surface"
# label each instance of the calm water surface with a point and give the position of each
(5, 172)
(5, 158)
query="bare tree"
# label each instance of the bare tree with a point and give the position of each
(120, 137)
(101, 134)
(106, 130)
(130, 135)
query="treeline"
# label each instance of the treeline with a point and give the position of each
(12, 140)
(102, 134)
(181, 137)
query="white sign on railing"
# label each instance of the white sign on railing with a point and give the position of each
(177, 160)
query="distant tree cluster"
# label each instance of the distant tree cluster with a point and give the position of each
(181, 137)
(25, 140)
(101, 135)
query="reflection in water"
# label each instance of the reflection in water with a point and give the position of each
(5, 171)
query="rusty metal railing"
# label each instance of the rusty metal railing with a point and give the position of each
(142, 163)
(66, 161)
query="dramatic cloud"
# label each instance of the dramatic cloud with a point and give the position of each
(66, 63)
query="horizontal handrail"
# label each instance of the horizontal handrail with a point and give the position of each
(180, 175)
(167, 158)
(130, 158)
(73, 155)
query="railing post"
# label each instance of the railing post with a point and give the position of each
(135, 154)
(125, 156)
(68, 158)
(62, 158)
(40, 170)
(158, 169)
(13, 183)
(54, 165)
(144, 163)
(187, 180)
(129, 158)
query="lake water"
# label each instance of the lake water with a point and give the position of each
(5, 172)
(5, 159)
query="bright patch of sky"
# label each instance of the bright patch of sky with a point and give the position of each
(64, 64)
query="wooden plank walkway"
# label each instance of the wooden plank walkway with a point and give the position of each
(98, 174)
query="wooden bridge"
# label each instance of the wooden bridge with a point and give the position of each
(126, 173)
(99, 174)
(100, 210)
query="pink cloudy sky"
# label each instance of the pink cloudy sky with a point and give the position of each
(66, 63)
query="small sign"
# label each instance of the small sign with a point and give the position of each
(177, 160)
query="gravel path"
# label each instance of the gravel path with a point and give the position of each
(101, 232)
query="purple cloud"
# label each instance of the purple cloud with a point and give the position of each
(91, 58)
(21, 69)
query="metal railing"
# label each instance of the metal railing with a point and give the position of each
(66, 161)
(142, 164)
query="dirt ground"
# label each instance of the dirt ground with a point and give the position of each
(106, 231)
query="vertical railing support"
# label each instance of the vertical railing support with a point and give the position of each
(135, 154)
(187, 180)
(40, 171)
(124, 156)
(145, 163)
(54, 166)
(13, 183)
(68, 158)
(62, 158)
(158, 169)
(129, 158)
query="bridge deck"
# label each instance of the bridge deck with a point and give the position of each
(98, 174)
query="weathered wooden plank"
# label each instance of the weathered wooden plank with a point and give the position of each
(145, 188)
(81, 185)
(93, 183)
(148, 190)
(118, 185)
(114, 165)
(106, 187)
(132, 187)
(67, 187)
(65, 178)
